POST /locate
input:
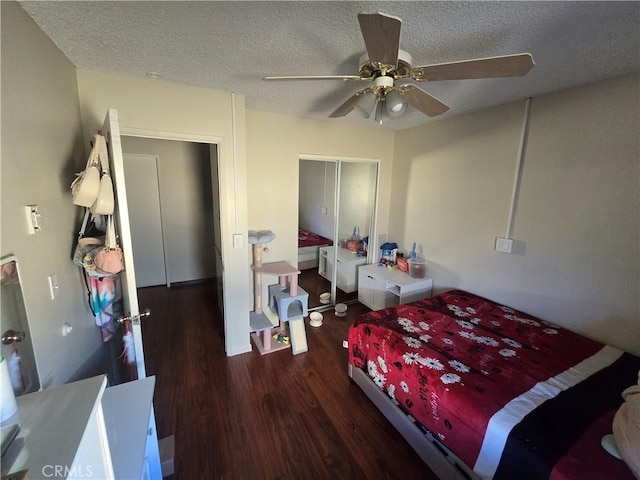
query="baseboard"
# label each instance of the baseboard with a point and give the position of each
(167, 447)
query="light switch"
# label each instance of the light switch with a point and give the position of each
(33, 219)
(237, 240)
(53, 286)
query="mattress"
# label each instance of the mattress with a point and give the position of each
(310, 239)
(499, 388)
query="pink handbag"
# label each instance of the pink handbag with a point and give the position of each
(109, 261)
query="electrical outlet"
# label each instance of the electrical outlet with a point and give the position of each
(504, 245)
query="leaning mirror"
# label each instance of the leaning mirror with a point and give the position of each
(17, 347)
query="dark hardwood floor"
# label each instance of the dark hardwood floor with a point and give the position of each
(315, 284)
(277, 416)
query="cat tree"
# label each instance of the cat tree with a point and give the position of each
(286, 299)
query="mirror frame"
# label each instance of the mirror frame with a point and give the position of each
(25, 347)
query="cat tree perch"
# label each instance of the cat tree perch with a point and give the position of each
(286, 299)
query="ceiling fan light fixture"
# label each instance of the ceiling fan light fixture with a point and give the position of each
(395, 104)
(384, 63)
(366, 104)
(379, 112)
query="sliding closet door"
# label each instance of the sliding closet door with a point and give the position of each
(336, 196)
(316, 214)
(357, 182)
(143, 195)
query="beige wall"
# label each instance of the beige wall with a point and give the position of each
(576, 225)
(156, 109)
(41, 151)
(274, 145)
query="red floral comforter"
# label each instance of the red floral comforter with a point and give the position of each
(310, 239)
(481, 377)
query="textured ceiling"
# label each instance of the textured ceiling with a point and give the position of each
(230, 46)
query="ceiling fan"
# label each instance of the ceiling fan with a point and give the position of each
(386, 65)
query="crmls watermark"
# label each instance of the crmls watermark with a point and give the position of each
(64, 471)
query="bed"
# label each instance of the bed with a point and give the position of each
(483, 391)
(308, 245)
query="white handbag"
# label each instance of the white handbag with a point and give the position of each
(86, 186)
(104, 202)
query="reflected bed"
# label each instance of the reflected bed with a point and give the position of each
(308, 245)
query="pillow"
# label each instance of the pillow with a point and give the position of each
(626, 429)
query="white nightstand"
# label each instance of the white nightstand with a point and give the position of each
(347, 266)
(381, 287)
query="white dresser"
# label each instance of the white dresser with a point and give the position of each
(84, 430)
(380, 287)
(347, 264)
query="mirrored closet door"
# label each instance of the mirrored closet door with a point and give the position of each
(337, 200)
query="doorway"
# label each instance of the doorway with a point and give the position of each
(173, 196)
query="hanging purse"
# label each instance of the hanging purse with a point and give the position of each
(108, 261)
(85, 244)
(105, 201)
(86, 185)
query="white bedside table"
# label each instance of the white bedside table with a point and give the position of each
(380, 287)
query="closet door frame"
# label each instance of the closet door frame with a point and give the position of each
(339, 160)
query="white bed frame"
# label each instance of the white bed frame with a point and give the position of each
(437, 457)
(308, 257)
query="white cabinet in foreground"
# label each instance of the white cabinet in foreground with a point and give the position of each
(131, 429)
(380, 287)
(84, 430)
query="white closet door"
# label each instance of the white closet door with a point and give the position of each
(143, 195)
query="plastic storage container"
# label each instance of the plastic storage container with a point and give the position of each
(417, 267)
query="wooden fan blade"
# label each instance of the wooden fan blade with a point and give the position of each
(381, 33)
(421, 100)
(492, 67)
(349, 105)
(314, 77)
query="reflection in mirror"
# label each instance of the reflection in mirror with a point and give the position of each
(17, 347)
(356, 206)
(336, 212)
(316, 221)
